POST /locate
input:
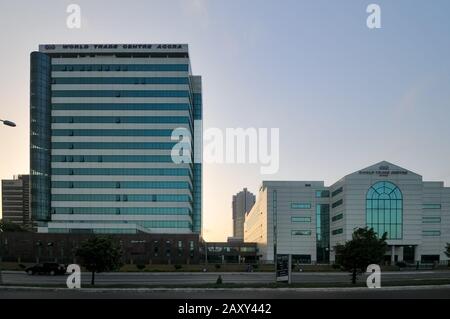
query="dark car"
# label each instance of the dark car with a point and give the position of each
(51, 269)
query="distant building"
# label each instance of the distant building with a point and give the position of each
(16, 200)
(242, 203)
(142, 248)
(229, 252)
(307, 219)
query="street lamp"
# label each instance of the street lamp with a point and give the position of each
(8, 123)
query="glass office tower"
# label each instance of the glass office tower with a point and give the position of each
(102, 118)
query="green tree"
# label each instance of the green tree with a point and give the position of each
(6, 226)
(99, 254)
(364, 249)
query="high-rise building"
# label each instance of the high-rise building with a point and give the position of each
(102, 119)
(242, 203)
(308, 220)
(16, 200)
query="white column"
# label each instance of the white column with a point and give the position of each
(416, 254)
(400, 253)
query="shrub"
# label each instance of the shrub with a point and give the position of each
(401, 264)
(336, 266)
(178, 267)
(217, 266)
(140, 266)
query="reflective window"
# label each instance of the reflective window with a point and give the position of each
(384, 210)
(431, 206)
(431, 220)
(431, 233)
(322, 194)
(301, 233)
(337, 191)
(300, 205)
(300, 219)
(337, 203)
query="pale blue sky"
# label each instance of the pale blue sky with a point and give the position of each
(343, 96)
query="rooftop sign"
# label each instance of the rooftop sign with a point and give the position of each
(112, 47)
(384, 171)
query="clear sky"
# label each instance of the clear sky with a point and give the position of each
(343, 96)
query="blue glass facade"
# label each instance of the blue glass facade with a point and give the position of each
(40, 135)
(384, 210)
(105, 141)
(323, 233)
(197, 205)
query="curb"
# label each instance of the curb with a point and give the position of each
(143, 290)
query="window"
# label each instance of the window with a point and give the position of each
(337, 203)
(300, 205)
(429, 259)
(299, 219)
(323, 232)
(322, 194)
(301, 233)
(191, 248)
(431, 220)
(180, 247)
(337, 231)
(337, 217)
(337, 191)
(431, 206)
(431, 233)
(384, 209)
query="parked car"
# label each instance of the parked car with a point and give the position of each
(51, 269)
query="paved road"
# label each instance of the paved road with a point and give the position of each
(20, 278)
(437, 292)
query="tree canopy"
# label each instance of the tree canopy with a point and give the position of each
(6, 226)
(99, 254)
(365, 248)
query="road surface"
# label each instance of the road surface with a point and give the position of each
(434, 292)
(145, 279)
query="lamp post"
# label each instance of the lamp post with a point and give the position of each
(8, 123)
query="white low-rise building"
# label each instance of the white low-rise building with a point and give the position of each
(308, 219)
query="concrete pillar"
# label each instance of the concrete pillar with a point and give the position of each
(393, 255)
(400, 253)
(416, 254)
